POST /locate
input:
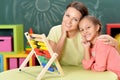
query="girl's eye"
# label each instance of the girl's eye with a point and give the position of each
(81, 30)
(88, 27)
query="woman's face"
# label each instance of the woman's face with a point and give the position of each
(71, 19)
(88, 30)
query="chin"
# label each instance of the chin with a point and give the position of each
(88, 39)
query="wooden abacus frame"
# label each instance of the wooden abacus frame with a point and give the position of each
(53, 55)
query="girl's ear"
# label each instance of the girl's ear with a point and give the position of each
(97, 27)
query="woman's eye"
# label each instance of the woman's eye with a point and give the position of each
(88, 27)
(67, 15)
(75, 19)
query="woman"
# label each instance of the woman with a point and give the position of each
(65, 39)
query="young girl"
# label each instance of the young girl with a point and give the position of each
(98, 56)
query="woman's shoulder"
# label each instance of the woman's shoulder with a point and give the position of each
(57, 27)
(56, 30)
(54, 33)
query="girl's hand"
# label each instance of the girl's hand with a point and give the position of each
(86, 46)
(85, 43)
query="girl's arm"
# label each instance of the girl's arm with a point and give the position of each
(102, 52)
(86, 51)
(87, 61)
(98, 62)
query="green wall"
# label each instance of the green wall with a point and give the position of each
(41, 15)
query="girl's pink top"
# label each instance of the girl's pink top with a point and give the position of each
(103, 57)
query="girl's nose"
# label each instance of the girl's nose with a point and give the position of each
(85, 31)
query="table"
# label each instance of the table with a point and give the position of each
(71, 73)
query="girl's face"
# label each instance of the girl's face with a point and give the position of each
(88, 30)
(71, 19)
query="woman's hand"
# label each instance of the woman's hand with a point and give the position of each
(107, 39)
(64, 31)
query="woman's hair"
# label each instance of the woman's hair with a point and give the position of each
(80, 7)
(94, 20)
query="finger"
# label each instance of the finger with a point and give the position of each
(84, 39)
(103, 39)
(104, 36)
(110, 43)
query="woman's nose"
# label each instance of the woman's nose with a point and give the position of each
(69, 21)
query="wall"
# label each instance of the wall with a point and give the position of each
(41, 15)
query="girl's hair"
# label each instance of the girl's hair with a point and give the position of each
(95, 21)
(80, 7)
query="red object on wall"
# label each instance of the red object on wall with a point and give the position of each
(113, 28)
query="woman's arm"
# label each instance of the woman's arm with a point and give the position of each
(107, 39)
(57, 45)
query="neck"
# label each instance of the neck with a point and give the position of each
(71, 34)
(94, 40)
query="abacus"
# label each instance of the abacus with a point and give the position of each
(44, 54)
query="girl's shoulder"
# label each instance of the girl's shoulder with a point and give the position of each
(99, 43)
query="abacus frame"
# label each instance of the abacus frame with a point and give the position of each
(53, 58)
